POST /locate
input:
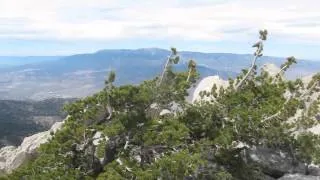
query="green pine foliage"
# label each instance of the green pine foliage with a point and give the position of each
(198, 139)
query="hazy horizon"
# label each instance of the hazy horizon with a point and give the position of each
(16, 59)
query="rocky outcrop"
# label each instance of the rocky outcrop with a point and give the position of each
(206, 84)
(299, 177)
(274, 163)
(313, 170)
(12, 157)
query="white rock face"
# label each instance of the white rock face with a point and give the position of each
(307, 79)
(206, 84)
(315, 130)
(98, 137)
(12, 157)
(165, 112)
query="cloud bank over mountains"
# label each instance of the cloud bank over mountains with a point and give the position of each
(199, 20)
(202, 21)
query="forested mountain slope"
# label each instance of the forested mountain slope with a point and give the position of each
(19, 119)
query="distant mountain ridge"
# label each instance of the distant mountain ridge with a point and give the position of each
(83, 74)
(7, 61)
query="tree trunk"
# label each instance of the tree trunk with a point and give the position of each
(164, 71)
(282, 70)
(279, 112)
(109, 109)
(248, 73)
(189, 74)
(278, 74)
(251, 68)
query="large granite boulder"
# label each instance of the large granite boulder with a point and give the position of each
(313, 170)
(206, 85)
(12, 157)
(274, 163)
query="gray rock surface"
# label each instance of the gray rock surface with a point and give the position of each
(12, 157)
(274, 163)
(299, 177)
(313, 170)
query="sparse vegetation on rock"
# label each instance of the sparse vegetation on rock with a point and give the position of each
(255, 128)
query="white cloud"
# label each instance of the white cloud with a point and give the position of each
(204, 20)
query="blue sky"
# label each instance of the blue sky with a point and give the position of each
(59, 27)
